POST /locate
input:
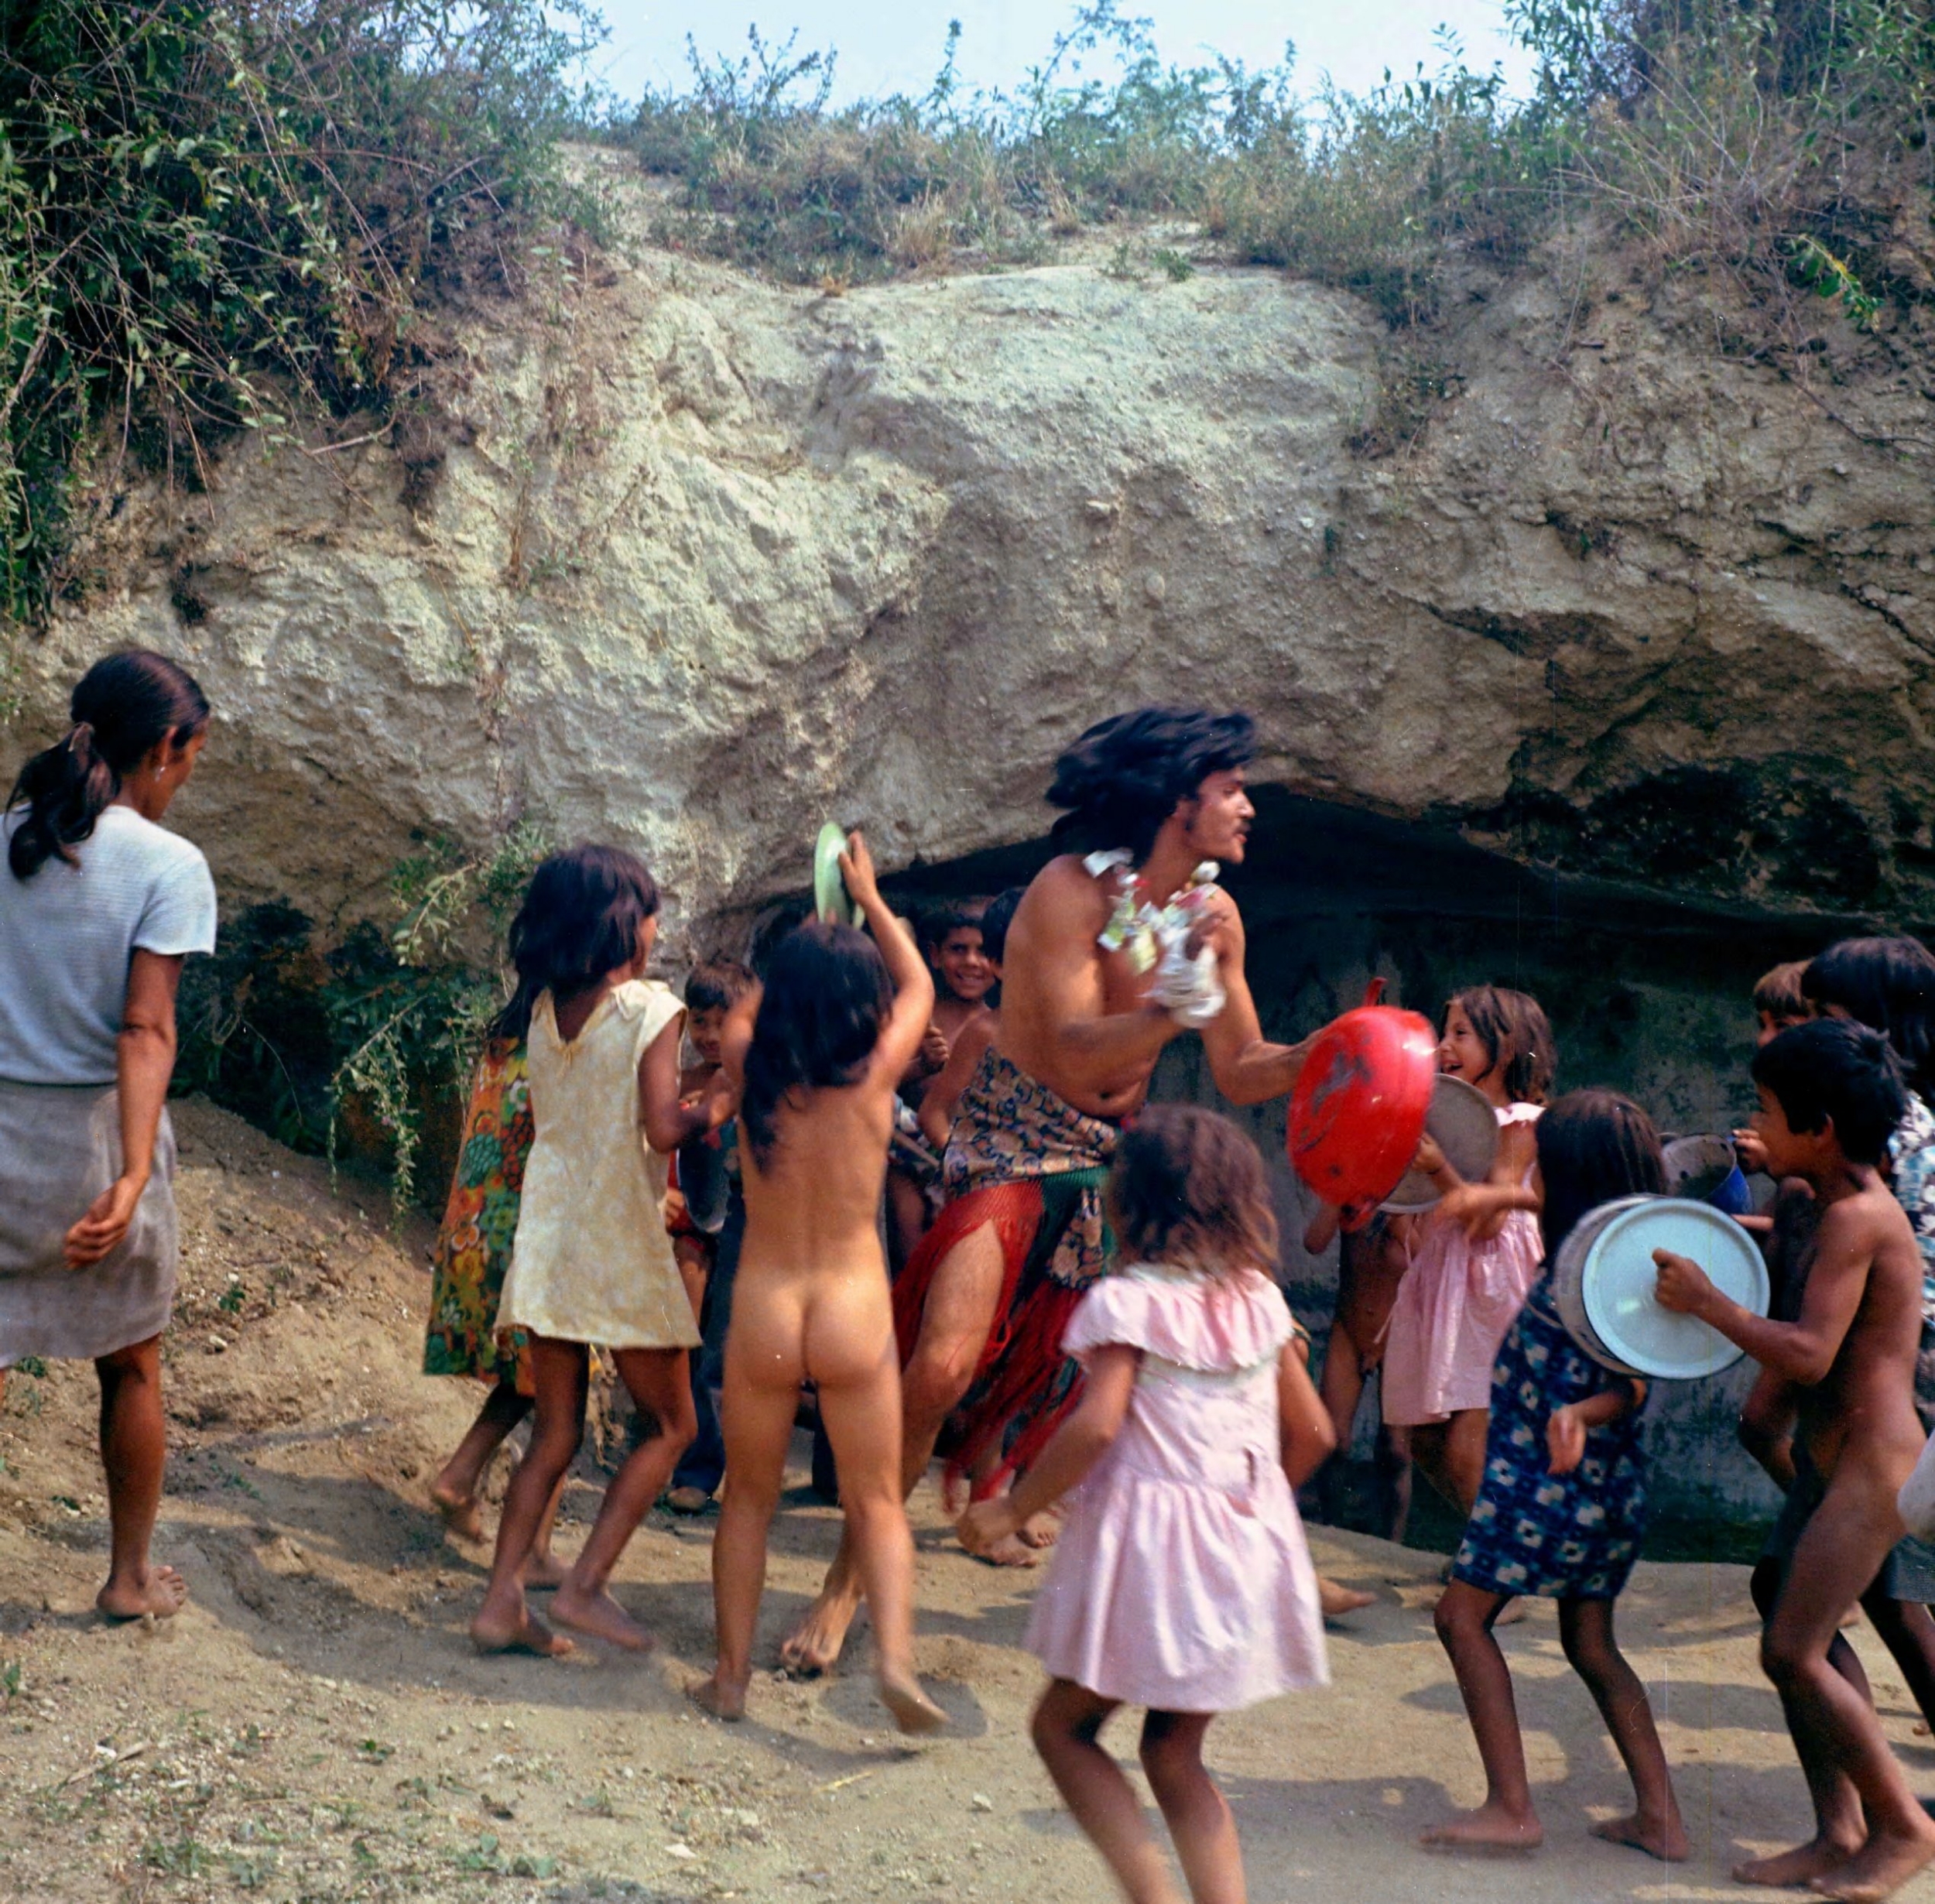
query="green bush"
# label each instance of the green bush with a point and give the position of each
(364, 1043)
(212, 212)
(1770, 138)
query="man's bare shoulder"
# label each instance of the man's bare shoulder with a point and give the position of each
(1062, 891)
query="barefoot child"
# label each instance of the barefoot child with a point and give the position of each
(473, 1251)
(1830, 1094)
(708, 1254)
(1561, 1507)
(1480, 1250)
(1371, 1262)
(592, 1263)
(838, 1021)
(1182, 1582)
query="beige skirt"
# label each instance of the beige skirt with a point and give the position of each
(59, 1149)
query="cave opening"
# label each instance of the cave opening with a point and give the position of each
(1649, 993)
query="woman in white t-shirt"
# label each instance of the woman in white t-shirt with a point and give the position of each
(99, 907)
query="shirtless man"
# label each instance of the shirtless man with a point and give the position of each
(1830, 1093)
(1103, 968)
(837, 1021)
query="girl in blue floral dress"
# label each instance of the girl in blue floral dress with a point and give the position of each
(1561, 1509)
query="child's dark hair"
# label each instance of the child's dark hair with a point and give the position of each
(936, 922)
(1516, 1021)
(124, 707)
(995, 922)
(827, 995)
(1125, 776)
(1889, 985)
(1594, 1147)
(580, 918)
(717, 984)
(1188, 1188)
(1778, 993)
(1831, 1068)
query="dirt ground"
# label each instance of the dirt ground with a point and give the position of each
(315, 1726)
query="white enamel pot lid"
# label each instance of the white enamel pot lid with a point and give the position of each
(1461, 1119)
(1610, 1256)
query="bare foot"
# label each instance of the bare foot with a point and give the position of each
(914, 1711)
(544, 1569)
(1335, 1599)
(1880, 1869)
(813, 1645)
(1665, 1839)
(1040, 1530)
(459, 1510)
(1789, 1870)
(527, 1634)
(1012, 1550)
(1487, 1829)
(600, 1616)
(720, 1697)
(163, 1594)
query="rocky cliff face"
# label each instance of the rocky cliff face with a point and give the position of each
(709, 561)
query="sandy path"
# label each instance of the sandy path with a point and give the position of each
(315, 1726)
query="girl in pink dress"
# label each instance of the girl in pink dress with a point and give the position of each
(1182, 1582)
(1481, 1252)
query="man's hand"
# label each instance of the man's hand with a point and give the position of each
(935, 1049)
(1565, 1439)
(108, 1218)
(1683, 1287)
(1750, 1151)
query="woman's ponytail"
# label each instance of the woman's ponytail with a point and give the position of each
(124, 707)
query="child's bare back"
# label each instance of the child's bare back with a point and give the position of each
(812, 1300)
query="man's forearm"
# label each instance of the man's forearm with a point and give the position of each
(1261, 1071)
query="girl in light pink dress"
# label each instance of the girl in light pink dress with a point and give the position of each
(1480, 1254)
(1182, 1582)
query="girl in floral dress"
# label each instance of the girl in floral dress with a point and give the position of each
(1561, 1509)
(473, 1251)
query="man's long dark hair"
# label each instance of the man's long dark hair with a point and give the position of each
(1125, 776)
(827, 995)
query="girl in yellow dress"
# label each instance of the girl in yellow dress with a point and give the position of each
(592, 1263)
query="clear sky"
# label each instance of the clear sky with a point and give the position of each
(887, 45)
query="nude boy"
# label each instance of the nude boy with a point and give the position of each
(1830, 1093)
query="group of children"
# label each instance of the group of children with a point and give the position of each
(1183, 1582)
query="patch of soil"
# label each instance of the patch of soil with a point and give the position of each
(315, 1726)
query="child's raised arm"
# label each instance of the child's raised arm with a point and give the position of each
(913, 1006)
(1079, 1443)
(1803, 1350)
